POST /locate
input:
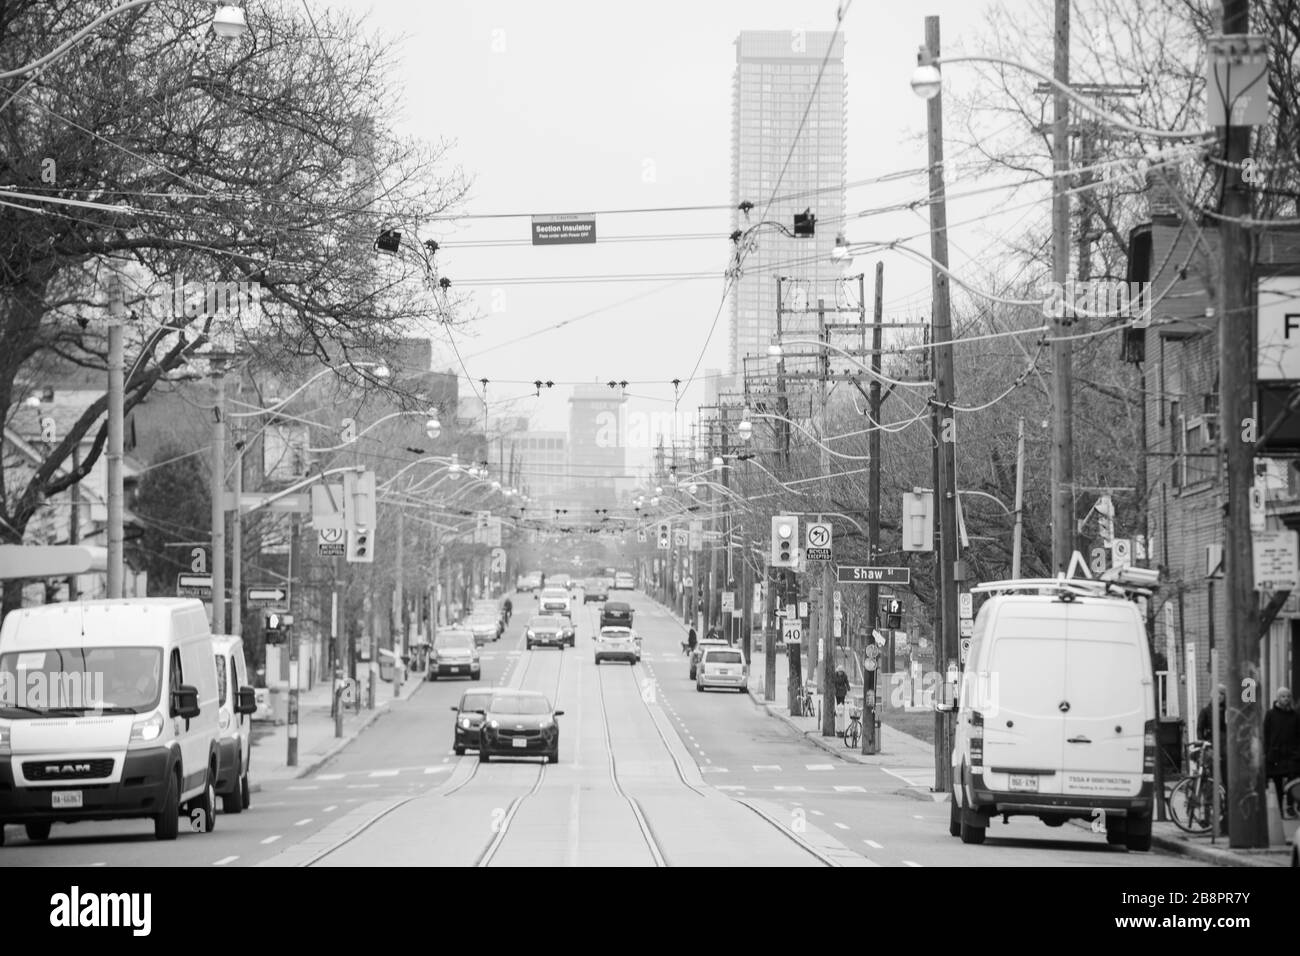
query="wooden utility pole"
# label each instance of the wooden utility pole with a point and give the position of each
(1247, 797)
(794, 661)
(946, 641)
(827, 614)
(870, 744)
(1063, 534)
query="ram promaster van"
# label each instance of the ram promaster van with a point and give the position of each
(237, 703)
(109, 711)
(1056, 710)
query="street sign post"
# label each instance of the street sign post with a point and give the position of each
(728, 602)
(850, 574)
(818, 542)
(194, 585)
(267, 596)
(1277, 560)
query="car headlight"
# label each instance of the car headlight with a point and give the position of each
(149, 728)
(464, 723)
(494, 724)
(547, 724)
(531, 635)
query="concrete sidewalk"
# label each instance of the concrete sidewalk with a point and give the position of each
(912, 760)
(317, 742)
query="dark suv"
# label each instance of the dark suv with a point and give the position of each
(469, 719)
(616, 614)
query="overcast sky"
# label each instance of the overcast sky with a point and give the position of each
(570, 106)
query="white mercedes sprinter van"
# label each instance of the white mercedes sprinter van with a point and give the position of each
(1056, 709)
(109, 711)
(238, 701)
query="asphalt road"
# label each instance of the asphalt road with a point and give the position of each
(651, 772)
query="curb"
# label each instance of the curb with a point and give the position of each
(1237, 858)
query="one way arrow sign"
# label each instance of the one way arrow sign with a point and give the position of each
(267, 595)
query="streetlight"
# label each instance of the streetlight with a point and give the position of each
(229, 22)
(433, 428)
(927, 81)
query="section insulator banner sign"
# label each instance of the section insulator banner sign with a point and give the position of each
(563, 230)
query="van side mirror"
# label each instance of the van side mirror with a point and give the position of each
(455, 709)
(559, 713)
(185, 702)
(246, 701)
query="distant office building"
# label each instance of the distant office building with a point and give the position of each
(542, 463)
(597, 438)
(775, 79)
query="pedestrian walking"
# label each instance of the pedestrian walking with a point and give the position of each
(691, 641)
(1282, 747)
(841, 685)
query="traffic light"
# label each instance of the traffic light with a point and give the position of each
(361, 548)
(785, 534)
(359, 500)
(276, 627)
(665, 536)
(918, 521)
(892, 611)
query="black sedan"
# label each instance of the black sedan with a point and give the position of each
(519, 724)
(469, 720)
(549, 630)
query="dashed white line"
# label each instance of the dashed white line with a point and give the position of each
(225, 859)
(332, 807)
(270, 839)
(384, 773)
(841, 826)
(917, 816)
(910, 863)
(767, 766)
(366, 786)
(303, 822)
(821, 766)
(818, 813)
(330, 776)
(791, 788)
(302, 788)
(428, 770)
(850, 789)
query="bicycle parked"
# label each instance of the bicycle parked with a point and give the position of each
(1191, 801)
(805, 705)
(853, 732)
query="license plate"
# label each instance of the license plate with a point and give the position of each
(1024, 782)
(520, 742)
(65, 798)
(455, 670)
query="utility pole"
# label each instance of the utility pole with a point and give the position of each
(1247, 796)
(787, 588)
(946, 645)
(1020, 499)
(218, 505)
(116, 427)
(869, 743)
(1063, 533)
(237, 539)
(827, 577)
(74, 519)
(337, 634)
(295, 536)
(399, 600)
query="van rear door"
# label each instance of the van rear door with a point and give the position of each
(1022, 697)
(1108, 690)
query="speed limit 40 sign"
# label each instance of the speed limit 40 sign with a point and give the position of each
(792, 633)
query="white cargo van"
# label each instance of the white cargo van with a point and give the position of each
(1056, 709)
(109, 711)
(237, 702)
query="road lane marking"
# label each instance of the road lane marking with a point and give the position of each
(841, 826)
(801, 789)
(910, 863)
(435, 769)
(303, 822)
(739, 786)
(330, 776)
(917, 816)
(330, 808)
(820, 766)
(767, 766)
(873, 844)
(270, 839)
(302, 788)
(818, 813)
(371, 786)
(850, 789)
(384, 773)
(225, 859)
(715, 769)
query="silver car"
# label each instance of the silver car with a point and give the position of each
(722, 667)
(617, 644)
(455, 654)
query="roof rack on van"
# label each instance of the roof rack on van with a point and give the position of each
(1117, 582)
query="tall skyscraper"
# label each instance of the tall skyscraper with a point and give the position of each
(597, 453)
(776, 80)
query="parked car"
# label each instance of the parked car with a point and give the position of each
(519, 724)
(467, 731)
(531, 581)
(484, 628)
(550, 630)
(594, 589)
(623, 581)
(722, 667)
(238, 702)
(1056, 709)
(455, 654)
(699, 651)
(138, 731)
(616, 614)
(616, 644)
